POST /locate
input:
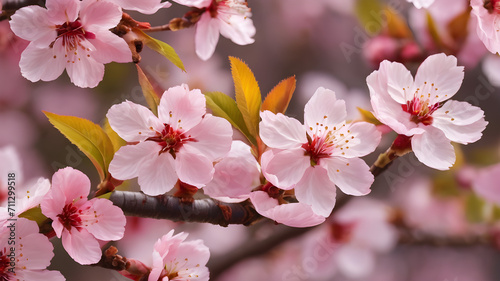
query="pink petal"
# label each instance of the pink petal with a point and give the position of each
(194, 3)
(158, 176)
(206, 36)
(375, 235)
(100, 15)
(351, 175)
(193, 253)
(41, 63)
(133, 122)
(36, 251)
(317, 190)
(40, 275)
(145, 6)
(193, 167)
(110, 221)
(35, 192)
(487, 26)
(61, 11)
(74, 184)
(422, 3)
(486, 184)
(31, 23)
(110, 47)
(324, 110)
(399, 81)
(84, 71)
(264, 160)
(81, 246)
(129, 160)
(463, 134)
(359, 139)
(280, 131)
(288, 166)
(355, 262)
(462, 113)
(182, 108)
(442, 71)
(434, 149)
(293, 214)
(213, 137)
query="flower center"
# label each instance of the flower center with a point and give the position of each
(493, 6)
(420, 110)
(228, 8)
(5, 275)
(170, 140)
(318, 147)
(72, 33)
(70, 217)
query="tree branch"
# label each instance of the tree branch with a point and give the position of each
(176, 209)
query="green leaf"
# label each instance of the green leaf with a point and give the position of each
(152, 98)
(89, 137)
(115, 139)
(278, 99)
(224, 106)
(474, 208)
(367, 116)
(162, 48)
(369, 13)
(247, 92)
(34, 214)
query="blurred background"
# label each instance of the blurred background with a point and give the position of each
(430, 225)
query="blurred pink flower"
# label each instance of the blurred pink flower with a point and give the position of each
(488, 15)
(11, 163)
(231, 18)
(144, 6)
(72, 35)
(491, 64)
(416, 108)
(33, 252)
(80, 222)
(181, 143)
(175, 259)
(314, 157)
(486, 183)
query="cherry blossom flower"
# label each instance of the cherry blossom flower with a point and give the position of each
(417, 108)
(32, 253)
(144, 6)
(488, 15)
(231, 18)
(314, 157)
(421, 3)
(175, 259)
(181, 143)
(80, 222)
(72, 35)
(485, 184)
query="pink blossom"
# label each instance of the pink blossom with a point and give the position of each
(486, 184)
(11, 163)
(144, 6)
(488, 16)
(80, 222)
(175, 259)
(181, 143)
(314, 157)
(32, 253)
(231, 18)
(72, 35)
(417, 108)
(491, 64)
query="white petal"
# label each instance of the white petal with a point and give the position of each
(486, 184)
(182, 108)
(84, 71)
(61, 11)
(81, 246)
(51, 275)
(462, 134)
(31, 23)
(351, 175)
(359, 139)
(110, 47)
(433, 149)
(355, 262)
(133, 122)
(317, 190)
(213, 137)
(280, 131)
(101, 14)
(194, 3)
(292, 214)
(206, 36)
(145, 6)
(421, 3)
(399, 81)
(40, 64)
(442, 71)
(288, 166)
(129, 159)
(324, 110)
(193, 168)
(239, 29)
(462, 113)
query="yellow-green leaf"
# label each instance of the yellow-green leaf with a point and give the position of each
(278, 99)
(152, 98)
(248, 98)
(396, 24)
(474, 208)
(369, 13)
(433, 31)
(224, 106)
(34, 214)
(89, 137)
(162, 48)
(115, 139)
(367, 116)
